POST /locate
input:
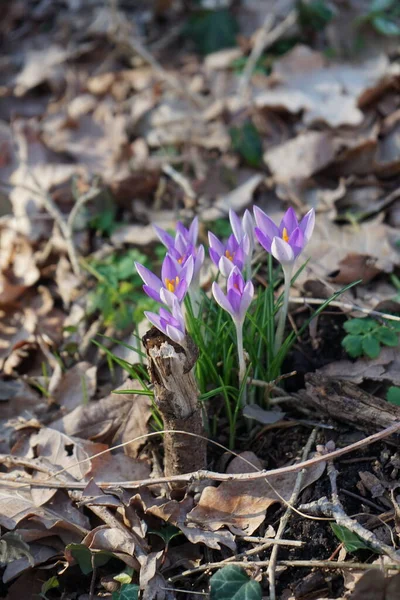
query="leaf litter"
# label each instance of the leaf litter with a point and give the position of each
(153, 123)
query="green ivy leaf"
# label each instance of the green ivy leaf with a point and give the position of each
(247, 142)
(358, 326)
(353, 345)
(314, 15)
(387, 336)
(395, 325)
(232, 583)
(371, 346)
(167, 533)
(128, 591)
(87, 559)
(50, 584)
(393, 395)
(212, 30)
(350, 540)
(385, 26)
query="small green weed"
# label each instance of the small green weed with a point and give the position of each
(384, 17)
(365, 336)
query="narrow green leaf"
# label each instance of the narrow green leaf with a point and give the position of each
(393, 395)
(380, 5)
(371, 346)
(387, 336)
(353, 345)
(232, 583)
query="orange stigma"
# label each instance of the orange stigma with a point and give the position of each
(285, 236)
(171, 284)
(228, 255)
(180, 260)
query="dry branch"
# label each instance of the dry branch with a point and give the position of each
(177, 398)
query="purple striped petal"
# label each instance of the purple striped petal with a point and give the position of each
(198, 261)
(193, 232)
(152, 293)
(216, 245)
(175, 334)
(148, 277)
(248, 227)
(236, 225)
(225, 266)
(289, 222)
(296, 241)
(221, 299)
(164, 237)
(168, 269)
(246, 300)
(186, 273)
(264, 240)
(267, 226)
(282, 251)
(307, 225)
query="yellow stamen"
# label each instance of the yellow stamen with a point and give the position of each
(285, 236)
(171, 284)
(228, 255)
(180, 260)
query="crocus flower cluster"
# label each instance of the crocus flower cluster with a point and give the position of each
(182, 264)
(180, 269)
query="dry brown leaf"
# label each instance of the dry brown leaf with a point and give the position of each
(331, 243)
(40, 554)
(176, 513)
(242, 505)
(237, 199)
(353, 267)
(18, 270)
(128, 414)
(40, 65)
(373, 585)
(384, 368)
(77, 386)
(16, 331)
(304, 81)
(301, 157)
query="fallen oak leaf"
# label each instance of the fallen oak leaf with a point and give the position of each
(373, 585)
(242, 505)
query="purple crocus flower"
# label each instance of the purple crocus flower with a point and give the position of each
(184, 244)
(174, 282)
(288, 240)
(171, 323)
(238, 297)
(229, 255)
(241, 228)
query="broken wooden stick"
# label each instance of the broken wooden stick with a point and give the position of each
(346, 402)
(177, 398)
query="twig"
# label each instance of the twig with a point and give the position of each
(287, 514)
(122, 35)
(335, 509)
(307, 564)
(266, 38)
(211, 475)
(344, 306)
(182, 181)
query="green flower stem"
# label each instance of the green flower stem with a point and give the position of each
(242, 362)
(280, 330)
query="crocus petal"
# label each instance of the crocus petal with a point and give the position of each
(289, 222)
(148, 277)
(193, 231)
(248, 228)
(164, 237)
(246, 300)
(181, 289)
(152, 293)
(236, 225)
(154, 320)
(264, 223)
(221, 299)
(175, 334)
(198, 261)
(296, 241)
(225, 266)
(167, 297)
(282, 251)
(181, 245)
(187, 270)
(168, 269)
(307, 225)
(264, 240)
(216, 244)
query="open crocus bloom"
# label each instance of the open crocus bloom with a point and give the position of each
(229, 255)
(238, 295)
(183, 245)
(288, 240)
(174, 282)
(171, 323)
